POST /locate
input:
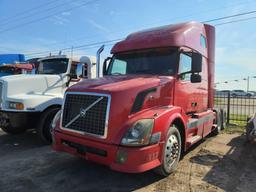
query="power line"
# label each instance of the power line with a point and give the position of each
(24, 12)
(236, 80)
(45, 17)
(78, 47)
(115, 40)
(230, 16)
(235, 21)
(31, 14)
(96, 46)
(95, 35)
(209, 10)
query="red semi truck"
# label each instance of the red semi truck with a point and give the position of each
(154, 101)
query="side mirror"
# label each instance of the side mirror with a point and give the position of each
(69, 76)
(79, 71)
(105, 66)
(195, 78)
(196, 63)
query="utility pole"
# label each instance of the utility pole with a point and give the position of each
(248, 83)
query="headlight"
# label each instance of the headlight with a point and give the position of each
(139, 134)
(56, 119)
(16, 105)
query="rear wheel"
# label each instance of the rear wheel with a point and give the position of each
(44, 125)
(218, 123)
(223, 119)
(171, 152)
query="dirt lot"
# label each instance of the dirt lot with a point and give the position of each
(223, 163)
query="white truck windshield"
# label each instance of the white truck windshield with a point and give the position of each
(152, 62)
(7, 70)
(53, 66)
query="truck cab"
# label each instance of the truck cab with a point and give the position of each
(29, 101)
(153, 103)
(15, 69)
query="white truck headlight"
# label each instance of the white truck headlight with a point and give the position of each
(16, 105)
(139, 134)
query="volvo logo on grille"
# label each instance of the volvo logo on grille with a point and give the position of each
(83, 112)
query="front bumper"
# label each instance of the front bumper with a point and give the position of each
(18, 119)
(119, 158)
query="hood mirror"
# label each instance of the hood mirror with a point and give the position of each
(79, 70)
(105, 65)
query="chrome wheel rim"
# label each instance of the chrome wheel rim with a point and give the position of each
(171, 151)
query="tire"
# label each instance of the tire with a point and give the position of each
(172, 148)
(223, 119)
(44, 126)
(249, 128)
(14, 130)
(218, 121)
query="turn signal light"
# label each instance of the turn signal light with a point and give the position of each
(15, 105)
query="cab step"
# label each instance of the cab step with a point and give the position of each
(194, 139)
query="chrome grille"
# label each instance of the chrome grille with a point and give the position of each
(86, 113)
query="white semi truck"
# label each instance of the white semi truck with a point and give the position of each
(29, 101)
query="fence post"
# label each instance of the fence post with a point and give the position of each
(228, 108)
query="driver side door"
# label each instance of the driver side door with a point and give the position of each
(186, 93)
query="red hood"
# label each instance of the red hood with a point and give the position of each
(112, 84)
(123, 91)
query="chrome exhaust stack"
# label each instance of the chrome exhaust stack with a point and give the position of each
(98, 61)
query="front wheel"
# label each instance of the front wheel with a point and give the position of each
(7, 126)
(171, 152)
(44, 125)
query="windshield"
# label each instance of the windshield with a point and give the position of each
(152, 62)
(7, 70)
(53, 66)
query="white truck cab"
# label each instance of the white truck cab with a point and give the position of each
(29, 101)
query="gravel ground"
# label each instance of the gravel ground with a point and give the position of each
(223, 163)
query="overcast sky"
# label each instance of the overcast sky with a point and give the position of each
(32, 26)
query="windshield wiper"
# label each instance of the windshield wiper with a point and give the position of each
(116, 73)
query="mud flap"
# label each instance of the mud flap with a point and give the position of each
(4, 120)
(251, 129)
